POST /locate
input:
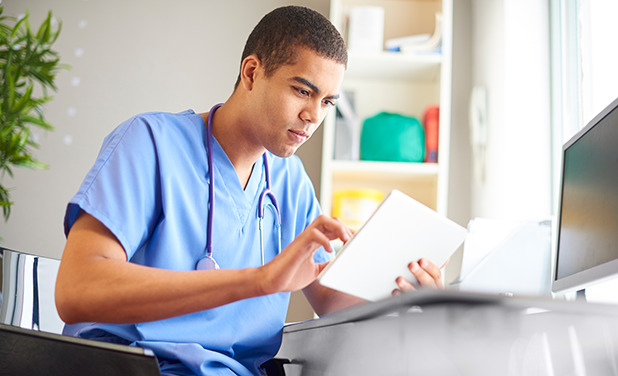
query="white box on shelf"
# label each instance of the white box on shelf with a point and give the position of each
(366, 28)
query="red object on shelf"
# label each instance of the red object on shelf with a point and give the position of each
(431, 123)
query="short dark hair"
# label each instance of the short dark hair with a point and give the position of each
(276, 37)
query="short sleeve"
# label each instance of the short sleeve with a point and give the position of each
(121, 189)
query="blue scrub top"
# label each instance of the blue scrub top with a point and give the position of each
(149, 187)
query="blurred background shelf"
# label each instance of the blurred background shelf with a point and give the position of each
(404, 82)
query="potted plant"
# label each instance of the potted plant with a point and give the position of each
(28, 65)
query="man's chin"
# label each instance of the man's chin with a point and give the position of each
(285, 152)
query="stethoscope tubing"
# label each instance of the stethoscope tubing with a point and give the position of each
(211, 187)
(211, 196)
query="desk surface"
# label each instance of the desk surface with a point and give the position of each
(454, 333)
(430, 297)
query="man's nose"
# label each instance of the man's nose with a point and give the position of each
(312, 112)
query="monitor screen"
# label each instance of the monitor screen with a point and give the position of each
(587, 237)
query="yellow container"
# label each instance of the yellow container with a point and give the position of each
(355, 206)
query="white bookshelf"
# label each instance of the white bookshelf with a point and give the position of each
(401, 82)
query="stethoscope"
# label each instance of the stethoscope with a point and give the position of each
(208, 261)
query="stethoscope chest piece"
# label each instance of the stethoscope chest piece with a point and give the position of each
(207, 263)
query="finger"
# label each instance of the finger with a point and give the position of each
(403, 284)
(347, 232)
(423, 277)
(339, 231)
(431, 268)
(304, 246)
(332, 227)
(321, 266)
(434, 271)
(319, 239)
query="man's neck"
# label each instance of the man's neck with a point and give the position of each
(242, 153)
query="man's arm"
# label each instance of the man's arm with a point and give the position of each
(325, 300)
(96, 283)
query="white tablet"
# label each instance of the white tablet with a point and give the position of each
(400, 230)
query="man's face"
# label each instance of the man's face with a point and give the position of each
(291, 103)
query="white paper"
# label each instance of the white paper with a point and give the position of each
(484, 236)
(508, 257)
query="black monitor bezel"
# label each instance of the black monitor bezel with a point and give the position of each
(596, 274)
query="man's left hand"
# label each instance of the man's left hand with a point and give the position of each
(427, 274)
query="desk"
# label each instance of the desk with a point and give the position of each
(431, 332)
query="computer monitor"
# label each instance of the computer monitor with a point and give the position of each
(587, 231)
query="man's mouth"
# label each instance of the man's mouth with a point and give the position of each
(299, 136)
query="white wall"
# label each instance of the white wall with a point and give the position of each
(459, 190)
(600, 80)
(511, 60)
(127, 57)
(460, 158)
(503, 46)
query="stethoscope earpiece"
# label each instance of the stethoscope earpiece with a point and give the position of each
(208, 262)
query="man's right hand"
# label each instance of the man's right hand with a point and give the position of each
(294, 268)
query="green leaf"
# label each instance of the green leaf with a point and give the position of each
(43, 33)
(28, 65)
(5, 202)
(26, 97)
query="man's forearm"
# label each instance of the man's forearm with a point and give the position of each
(96, 283)
(325, 300)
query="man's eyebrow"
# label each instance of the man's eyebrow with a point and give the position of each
(313, 87)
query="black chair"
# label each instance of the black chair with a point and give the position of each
(30, 339)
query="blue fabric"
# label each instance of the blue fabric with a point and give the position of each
(149, 186)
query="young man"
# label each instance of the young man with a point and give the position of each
(137, 264)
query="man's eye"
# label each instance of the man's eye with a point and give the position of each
(330, 103)
(302, 92)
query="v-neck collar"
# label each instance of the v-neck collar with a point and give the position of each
(227, 181)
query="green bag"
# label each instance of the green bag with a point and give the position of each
(392, 137)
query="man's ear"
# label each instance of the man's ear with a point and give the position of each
(249, 70)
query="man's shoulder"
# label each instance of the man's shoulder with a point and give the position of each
(154, 123)
(158, 127)
(160, 117)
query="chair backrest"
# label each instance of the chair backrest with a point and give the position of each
(27, 285)
(30, 339)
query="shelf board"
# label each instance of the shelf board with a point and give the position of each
(390, 168)
(394, 65)
(418, 180)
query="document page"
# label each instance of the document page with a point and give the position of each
(400, 230)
